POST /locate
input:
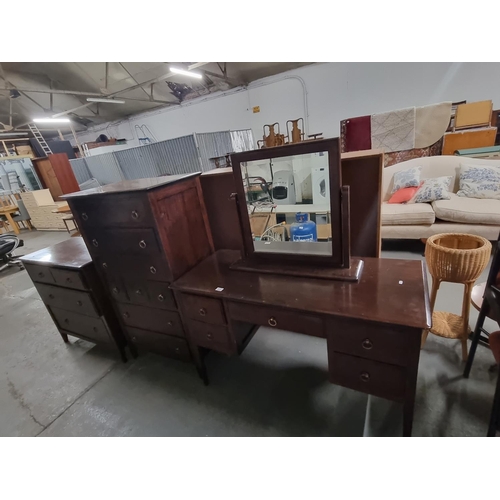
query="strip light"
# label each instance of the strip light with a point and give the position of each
(184, 72)
(102, 99)
(51, 120)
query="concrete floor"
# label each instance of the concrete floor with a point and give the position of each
(278, 387)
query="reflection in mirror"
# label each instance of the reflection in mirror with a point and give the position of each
(288, 202)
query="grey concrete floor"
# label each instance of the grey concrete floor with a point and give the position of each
(278, 387)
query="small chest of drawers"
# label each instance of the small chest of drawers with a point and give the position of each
(142, 235)
(66, 279)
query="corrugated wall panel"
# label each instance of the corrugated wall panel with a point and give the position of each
(176, 156)
(137, 163)
(80, 170)
(242, 140)
(104, 168)
(213, 145)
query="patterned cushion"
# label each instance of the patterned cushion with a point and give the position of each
(406, 178)
(479, 181)
(433, 190)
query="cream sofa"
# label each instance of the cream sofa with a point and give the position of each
(459, 214)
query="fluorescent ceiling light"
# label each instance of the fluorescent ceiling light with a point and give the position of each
(12, 134)
(185, 72)
(51, 120)
(99, 99)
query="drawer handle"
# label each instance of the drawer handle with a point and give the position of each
(170, 323)
(142, 244)
(203, 311)
(152, 270)
(272, 322)
(66, 320)
(135, 215)
(134, 339)
(95, 329)
(79, 303)
(51, 296)
(138, 291)
(104, 265)
(95, 242)
(126, 315)
(69, 280)
(41, 275)
(367, 344)
(365, 377)
(177, 350)
(85, 216)
(210, 336)
(116, 291)
(161, 297)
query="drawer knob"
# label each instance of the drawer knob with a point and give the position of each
(41, 275)
(79, 303)
(104, 265)
(177, 350)
(116, 291)
(95, 329)
(126, 315)
(66, 320)
(210, 336)
(95, 242)
(133, 339)
(69, 280)
(272, 322)
(51, 296)
(161, 297)
(135, 215)
(142, 244)
(152, 270)
(365, 377)
(367, 344)
(170, 323)
(85, 216)
(203, 311)
(138, 291)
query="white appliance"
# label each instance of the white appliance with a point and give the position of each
(320, 186)
(284, 188)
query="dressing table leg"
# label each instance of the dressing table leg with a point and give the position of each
(408, 407)
(199, 361)
(64, 337)
(133, 350)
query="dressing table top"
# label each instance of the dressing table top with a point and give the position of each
(392, 291)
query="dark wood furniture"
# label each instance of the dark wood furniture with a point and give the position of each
(70, 288)
(142, 235)
(373, 327)
(56, 174)
(361, 171)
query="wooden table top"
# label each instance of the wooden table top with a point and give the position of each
(69, 254)
(392, 291)
(9, 209)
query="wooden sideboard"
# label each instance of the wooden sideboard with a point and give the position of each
(142, 235)
(70, 288)
(373, 327)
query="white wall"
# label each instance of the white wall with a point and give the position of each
(323, 94)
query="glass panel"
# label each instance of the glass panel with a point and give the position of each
(288, 202)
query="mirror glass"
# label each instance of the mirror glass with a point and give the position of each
(288, 204)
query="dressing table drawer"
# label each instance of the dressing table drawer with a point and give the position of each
(157, 320)
(210, 336)
(39, 274)
(277, 318)
(164, 345)
(364, 375)
(148, 267)
(113, 242)
(89, 328)
(151, 293)
(69, 279)
(370, 340)
(70, 300)
(204, 309)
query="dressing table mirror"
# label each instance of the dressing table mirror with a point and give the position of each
(294, 211)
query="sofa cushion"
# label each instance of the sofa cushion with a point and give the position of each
(479, 181)
(468, 210)
(408, 214)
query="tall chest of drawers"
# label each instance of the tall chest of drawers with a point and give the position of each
(142, 235)
(66, 279)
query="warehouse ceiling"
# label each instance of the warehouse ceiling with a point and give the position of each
(34, 90)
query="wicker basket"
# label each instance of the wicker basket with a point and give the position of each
(457, 257)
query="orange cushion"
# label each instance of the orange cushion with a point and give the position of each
(403, 195)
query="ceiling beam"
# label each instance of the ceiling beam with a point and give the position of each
(128, 89)
(130, 74)
(54, 91)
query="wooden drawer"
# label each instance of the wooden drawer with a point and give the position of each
(69, 279)
(147, 318)
(365, 375)
(147, 267)
(112, 242)
(212, 337)
(274, 317)
(70, 300)
(204, 309)
(81, 326)
(117, 210)
(370, 340)
(165, 345)
(151, 293)
(40, 274)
